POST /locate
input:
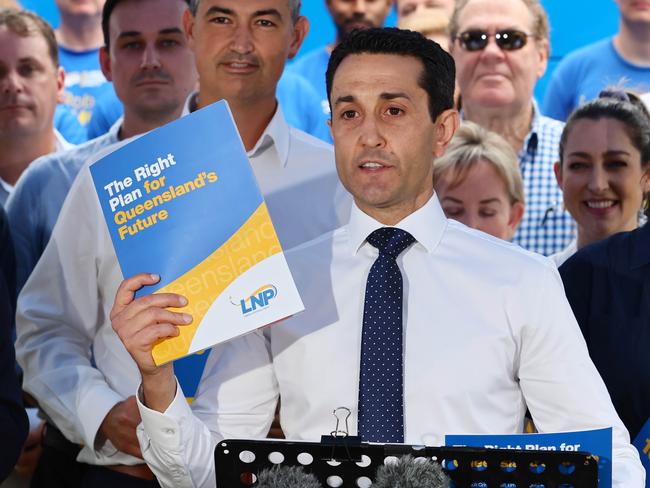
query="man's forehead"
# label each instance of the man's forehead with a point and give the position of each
(486, 13)
(130, 16)
(33, 45)
(371, 75)
(245, 7)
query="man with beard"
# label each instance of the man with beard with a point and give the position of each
(347, 16)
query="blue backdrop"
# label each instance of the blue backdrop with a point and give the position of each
(573, 24)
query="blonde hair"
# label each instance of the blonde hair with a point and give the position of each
(471, 144)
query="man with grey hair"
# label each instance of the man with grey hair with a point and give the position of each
(501, 49)
(240, 49)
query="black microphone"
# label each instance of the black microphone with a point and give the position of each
(286, 477)
(410, 473)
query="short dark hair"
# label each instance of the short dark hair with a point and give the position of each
(24, 24)
(294, 8)
(439, 70)
(109, 6)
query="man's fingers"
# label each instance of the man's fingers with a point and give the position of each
(126, 290)
(154, 300)
(148, 318)
(148, 336)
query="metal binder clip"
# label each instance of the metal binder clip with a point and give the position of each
(340, 445)
(337, 432)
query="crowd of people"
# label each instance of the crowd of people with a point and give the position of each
(510, 234)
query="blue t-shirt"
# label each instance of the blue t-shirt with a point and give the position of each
(84, 81)
(581, 75)
(300, 105)
(295, 95)
(68, 125)
(313, 66)
(108, 108)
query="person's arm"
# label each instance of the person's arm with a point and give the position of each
(236, 398)
(24, 215)
(59, 314)
(561, 385)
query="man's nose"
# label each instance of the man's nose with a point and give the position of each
(360, 6)
(242, 41)
(371, 133)
(11, 83)
(150, 57)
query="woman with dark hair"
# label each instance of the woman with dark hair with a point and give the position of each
(608, 284)
(603, 167)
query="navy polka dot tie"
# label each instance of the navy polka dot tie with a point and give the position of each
(381, 405)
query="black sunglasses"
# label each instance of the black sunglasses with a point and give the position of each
(506, 39)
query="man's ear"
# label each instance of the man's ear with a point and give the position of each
(446, 126)
(300, 30)
(188, 26)
(60, 84)
(105, 63)
(543, 51)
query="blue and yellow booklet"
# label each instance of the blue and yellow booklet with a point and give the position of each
(182, 202)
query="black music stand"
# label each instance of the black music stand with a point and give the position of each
(347, 462)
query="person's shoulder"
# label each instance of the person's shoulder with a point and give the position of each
(484, 252)
(311, 57)
(593, 52)
(303, 142)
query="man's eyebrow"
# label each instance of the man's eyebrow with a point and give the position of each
(215, 9)
(393, 96)
(171, 30)
(344, 99)
(129, 34)
(268, 11)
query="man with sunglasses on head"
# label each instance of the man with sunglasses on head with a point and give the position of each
(501, 49)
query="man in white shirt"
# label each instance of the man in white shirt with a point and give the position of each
(152, 69)
(74, 363)
(31, 80)
(486, 333)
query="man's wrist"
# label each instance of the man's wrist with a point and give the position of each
(159, 389)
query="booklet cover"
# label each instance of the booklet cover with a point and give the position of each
(597, 442)
(182, 201)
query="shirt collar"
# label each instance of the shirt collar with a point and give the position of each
(640, 252)
(427, 225)
(61, 144)
(276, 133)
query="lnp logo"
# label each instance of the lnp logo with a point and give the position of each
(258, 300)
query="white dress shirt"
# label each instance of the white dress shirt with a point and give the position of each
(487, 333)
(74, 364)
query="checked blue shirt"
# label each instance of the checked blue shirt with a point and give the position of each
(547, 227)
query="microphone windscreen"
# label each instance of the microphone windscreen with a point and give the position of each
(286, 477)
(407, 472)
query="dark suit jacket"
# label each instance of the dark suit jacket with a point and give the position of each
(608, 286)
(13, 421)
